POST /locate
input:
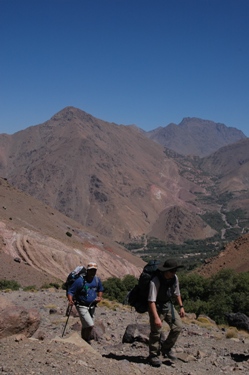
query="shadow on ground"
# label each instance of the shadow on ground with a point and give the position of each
(131, 358)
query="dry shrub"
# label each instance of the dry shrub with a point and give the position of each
(232, 333)
(112, 305)
(244, 333)
(50, 306)
(204, 322)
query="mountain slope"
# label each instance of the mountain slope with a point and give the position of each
(48, 245)
(173, 226)
(235, 257)
(109, 177)
(230, 166)
(227, 159)
(194, 136)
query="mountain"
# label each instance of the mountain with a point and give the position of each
(235, 256)
(110, 178)
(174, 223)
(230, 166)
(116, 182)
(46, 245)
(227, 159)
(83, 184)
(194, 136)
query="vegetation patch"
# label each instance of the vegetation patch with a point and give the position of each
(232, 333)
(111, 305)
(192, 252)
(225, 292)
(30, 288)
(117, 289)
(51, 285)
(9, 284)
(214, 220)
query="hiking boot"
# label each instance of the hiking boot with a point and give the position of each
(170, 354)
(155, 361)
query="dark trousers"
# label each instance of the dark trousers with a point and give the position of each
(168, 314)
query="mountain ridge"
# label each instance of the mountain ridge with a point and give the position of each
(109, 177)
(113, 183)
(194, 136)
(113, 178)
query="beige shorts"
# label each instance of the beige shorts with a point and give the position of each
(85, 317)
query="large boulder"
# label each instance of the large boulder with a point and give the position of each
(238, 320)
(16, 319)
(136, 332)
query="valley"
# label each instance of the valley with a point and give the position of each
(110, 191)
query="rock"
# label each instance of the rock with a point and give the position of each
(239, 357)
(136, 332)
(52, 311)
(238, 320)
(185, 357)
(16, 319)
(75, 339)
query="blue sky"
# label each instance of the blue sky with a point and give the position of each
(143, 62)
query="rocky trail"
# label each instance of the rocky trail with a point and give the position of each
(201, 349)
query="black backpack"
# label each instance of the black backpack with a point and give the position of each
(138, 296)
(77, 272)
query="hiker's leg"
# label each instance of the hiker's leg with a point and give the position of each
(154, 338)
(86, 322)
(175, 328)
(86, 333)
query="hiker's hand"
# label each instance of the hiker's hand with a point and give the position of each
(182, 312)
(71, 303)
(158, 322)
(98, 299)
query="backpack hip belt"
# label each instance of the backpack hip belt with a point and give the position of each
(81, 303)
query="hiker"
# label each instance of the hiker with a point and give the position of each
(85, 293)
(163, 287)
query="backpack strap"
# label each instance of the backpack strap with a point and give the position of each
(84, 280)
(165, 292)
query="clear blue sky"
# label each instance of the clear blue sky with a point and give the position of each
(143, 62)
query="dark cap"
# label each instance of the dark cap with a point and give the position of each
(168, 265)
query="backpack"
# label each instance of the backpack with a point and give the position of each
(72, 276)
(138, 296)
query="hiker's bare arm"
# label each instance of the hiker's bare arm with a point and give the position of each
(154, 314)
(99, 297)
(182, 311)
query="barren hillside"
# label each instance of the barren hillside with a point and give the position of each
(115, 181)
(38, 244)
(235, 256)
(110, 178)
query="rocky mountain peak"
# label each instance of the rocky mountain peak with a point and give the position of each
(195, 136)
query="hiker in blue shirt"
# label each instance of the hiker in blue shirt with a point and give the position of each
(85, 293)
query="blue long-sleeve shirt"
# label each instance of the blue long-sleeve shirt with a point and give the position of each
(85, 292)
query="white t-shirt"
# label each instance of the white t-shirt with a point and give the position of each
(154, 287)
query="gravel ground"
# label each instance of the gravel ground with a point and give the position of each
(199, 350)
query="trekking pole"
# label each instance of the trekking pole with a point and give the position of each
(68, 312)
